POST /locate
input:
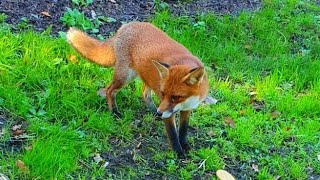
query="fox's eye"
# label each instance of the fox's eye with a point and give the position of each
(175, 98)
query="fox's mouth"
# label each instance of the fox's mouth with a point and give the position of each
(168, 114)
(189, 104)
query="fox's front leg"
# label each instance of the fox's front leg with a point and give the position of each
(183, 129)
(173, 135)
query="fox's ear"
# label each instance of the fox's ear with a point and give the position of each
(195, 76)
(162, 68)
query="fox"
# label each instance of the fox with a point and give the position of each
(166, 68)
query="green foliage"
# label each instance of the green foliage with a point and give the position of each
(75, 18)
(3, 17)
(82, 2)
(210, 159)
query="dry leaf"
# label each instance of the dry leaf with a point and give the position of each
(18, 132)
(105, 164)
(287, 128)
(113, 1)
(101, 92)
(319, 157)
(28, 148)
(257, 105)
(255, 167)
(45, 13)
(275, 114)
(253, 93)
(20, 164)
(2, 131)
(97, 158)
(276, 177)
(224, 175)
(247, 46)
(229, 121)
(73, 59)
(3, 177)
(138, 145)
(16, 127)
(211, 133)
(242, 112)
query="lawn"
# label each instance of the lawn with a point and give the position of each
(263, 68)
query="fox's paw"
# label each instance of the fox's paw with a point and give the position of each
(185, 146)
(181, 155)
(117, 114)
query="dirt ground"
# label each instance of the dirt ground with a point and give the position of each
(121, 10)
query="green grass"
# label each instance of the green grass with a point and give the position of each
(274, 52)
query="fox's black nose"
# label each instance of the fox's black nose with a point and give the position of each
(159, 113)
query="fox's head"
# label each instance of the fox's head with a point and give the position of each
(180, 88)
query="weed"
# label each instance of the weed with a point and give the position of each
(82, 2)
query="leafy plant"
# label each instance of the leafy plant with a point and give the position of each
(82, 2)
(75, 18)
(3, 17)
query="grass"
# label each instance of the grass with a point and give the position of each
(273, 52)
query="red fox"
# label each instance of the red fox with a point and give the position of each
(166, 67)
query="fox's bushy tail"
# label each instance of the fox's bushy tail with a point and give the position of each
(99, 52)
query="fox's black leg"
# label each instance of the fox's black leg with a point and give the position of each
(183, 129)
(172, 135)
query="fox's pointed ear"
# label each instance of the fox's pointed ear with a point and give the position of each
(195, 76)
(162, 68)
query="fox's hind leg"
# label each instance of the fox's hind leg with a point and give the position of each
(147, 97)
(122, 76)
(111, 92)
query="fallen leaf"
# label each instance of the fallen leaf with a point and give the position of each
(97, 158)
(101, 92)
(113, 1)
(319, 157)
(224, 175)
(93, 14)
(247, 46)
(105, 164)
(255, 167)
(28, 148)
(287, 128)
(45, 13)
(18, 132)
(138, 145)
(16, 127)
(73, 59)
(2, 131)
(211, 133)
(3, 177)
(20, 164)
(242, 112)
(229, 121)
(257, 105)
(276, 177)
(275, 114)
(253, 93)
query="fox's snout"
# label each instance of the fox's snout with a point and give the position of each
(165, 109)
